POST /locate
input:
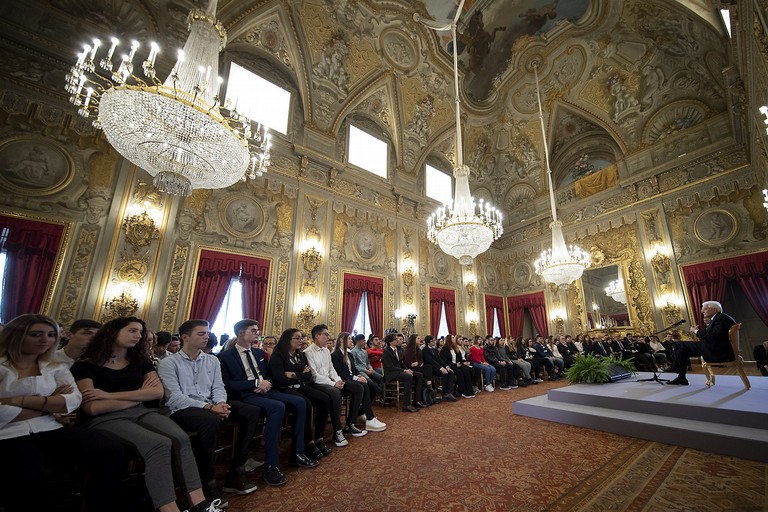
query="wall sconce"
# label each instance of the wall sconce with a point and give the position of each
(670, 308)
(307, 313)
(122, 305)
(311, 259)
(557, 316)
(470, 282)
(472, 320)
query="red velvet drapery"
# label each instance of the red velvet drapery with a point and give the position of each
(437, 298)
(536, 306)
(31, 248)
(495, 303)
(707, 281)
(354, 286)
(214, 275)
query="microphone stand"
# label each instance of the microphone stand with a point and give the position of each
(655, 377)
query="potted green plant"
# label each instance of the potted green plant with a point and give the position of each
(588, 369)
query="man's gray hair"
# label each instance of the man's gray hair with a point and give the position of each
(713, 304)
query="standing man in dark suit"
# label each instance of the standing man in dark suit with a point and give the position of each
(714, 344)
(246, 378)
(394, 369)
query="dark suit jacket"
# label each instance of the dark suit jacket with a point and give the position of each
(391, 364)
(601, 349)
(714, 339)
(542, 350)
(337, 358)
(432, 358)
(233, 372)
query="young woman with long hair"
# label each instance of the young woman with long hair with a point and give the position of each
(450, 354)
(33, 389)
(116, 376)
(291, 374)
(346, 369)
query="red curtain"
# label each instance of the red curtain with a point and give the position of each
(31, 248)
(354, 286)
(707, 281)
(439, 297)
(254, 279)
(536, 306)
(214, 275)
(493, 304)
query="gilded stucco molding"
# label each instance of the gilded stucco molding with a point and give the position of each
(280, 291)
(171, 303)
(74, 288)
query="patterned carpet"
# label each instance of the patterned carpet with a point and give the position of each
(476, 455)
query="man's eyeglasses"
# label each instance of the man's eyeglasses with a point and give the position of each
(253, 330)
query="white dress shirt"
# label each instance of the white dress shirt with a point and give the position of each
(52, 375)
(244, 352)
(320, 363)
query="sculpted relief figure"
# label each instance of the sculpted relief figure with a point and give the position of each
(653, 81)
(331, 66)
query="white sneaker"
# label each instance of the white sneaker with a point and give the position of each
(375, 425)
(489, 388)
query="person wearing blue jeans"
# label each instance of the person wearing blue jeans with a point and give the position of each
(246, 378)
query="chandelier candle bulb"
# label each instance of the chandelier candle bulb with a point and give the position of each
(107, 63)
(96, 44)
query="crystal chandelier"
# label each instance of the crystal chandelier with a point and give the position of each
(560, 265)
(175, 130)
(463, 229)
(616, 291)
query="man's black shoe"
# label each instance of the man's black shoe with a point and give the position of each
(313, 452)
(273, 476)
(323, 448)
(303, 461)
(410, 408)
(679, 381)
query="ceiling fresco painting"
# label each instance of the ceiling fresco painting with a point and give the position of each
(489, 30)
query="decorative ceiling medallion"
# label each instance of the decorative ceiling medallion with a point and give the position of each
(399, 50)
(716, 227)
(34, 166)
(241, 215)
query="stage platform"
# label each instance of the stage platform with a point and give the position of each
(724, 419)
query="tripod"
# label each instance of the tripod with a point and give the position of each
(655, 377)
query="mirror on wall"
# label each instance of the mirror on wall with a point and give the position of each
(605, 297)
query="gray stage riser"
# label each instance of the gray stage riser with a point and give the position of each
(668, 409)
(690, 436)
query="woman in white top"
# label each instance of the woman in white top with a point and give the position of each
(33, 390)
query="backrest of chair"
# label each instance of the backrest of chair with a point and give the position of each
(733, 336)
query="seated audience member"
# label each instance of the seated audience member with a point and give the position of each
(348, 372)
(439, 367)
(34, 388)
(509, 366)
(601, 348)
(658, 347)
(291, 373)
(268, 345)
(587, 345)
(195, 395)
(160, 348)
(567, 350)
(452, 357)
(459, 343)
(394, 369)
(246, 378)
(78, 337)
(175, 344)
(543, 355)
(559, 361)
(578, 343)
(507, 371)
(760, 358)
(115, 375)
(621, 349)
(509, 349)
(645, 357)
(525, 351)
(413, 359)
(210, 344)
(319, 359)
(360, 356)
(375, 351)
(478, 360)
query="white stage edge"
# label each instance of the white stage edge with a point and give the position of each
(724, 419)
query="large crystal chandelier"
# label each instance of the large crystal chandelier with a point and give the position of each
(463, 229)
(561, 265)
(616, 291)
(175, 130)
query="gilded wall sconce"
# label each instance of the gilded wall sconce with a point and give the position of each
(122, 305)
(311, 259)
(408, 277)
(306, 317)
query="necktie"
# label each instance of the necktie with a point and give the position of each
(252, 365)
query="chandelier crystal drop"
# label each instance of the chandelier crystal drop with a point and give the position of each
(560, 265)
(616, 291)
(176, 130)
(462, 229)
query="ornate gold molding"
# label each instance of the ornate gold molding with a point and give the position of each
(171, 304)
(282, 284)
(78, 272)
